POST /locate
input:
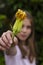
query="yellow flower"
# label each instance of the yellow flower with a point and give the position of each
(20, 14)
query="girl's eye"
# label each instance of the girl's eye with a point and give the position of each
(22, 26)
(28, 27)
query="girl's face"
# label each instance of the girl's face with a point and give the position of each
(25, 31)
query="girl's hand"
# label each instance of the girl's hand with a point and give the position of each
(6, 40)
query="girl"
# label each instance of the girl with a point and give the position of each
(23, 50)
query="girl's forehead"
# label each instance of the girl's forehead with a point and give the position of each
(27, 21)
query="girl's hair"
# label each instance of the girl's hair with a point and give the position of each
(30, 42)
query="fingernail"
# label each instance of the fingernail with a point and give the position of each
(10, 41)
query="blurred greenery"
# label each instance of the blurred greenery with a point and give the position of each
(35, 7)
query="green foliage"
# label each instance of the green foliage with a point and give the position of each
(36, 0)
(2, 18)
(2, 61)
(35, 7)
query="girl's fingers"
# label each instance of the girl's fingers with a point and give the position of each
(6, 41)
(9, 37)
(3, 44)
(15, 40)
(2, 48)
(4, 38)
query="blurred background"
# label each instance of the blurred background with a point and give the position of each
(35, 7)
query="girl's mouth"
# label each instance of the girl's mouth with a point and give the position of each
(23, 35)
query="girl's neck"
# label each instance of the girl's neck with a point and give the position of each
(22, 42)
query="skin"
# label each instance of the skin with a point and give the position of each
(6, 38)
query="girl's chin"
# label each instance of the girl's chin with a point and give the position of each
(22, 39)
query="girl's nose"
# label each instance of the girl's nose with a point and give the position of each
(24, 29)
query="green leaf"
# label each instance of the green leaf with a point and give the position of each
(2, 17)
